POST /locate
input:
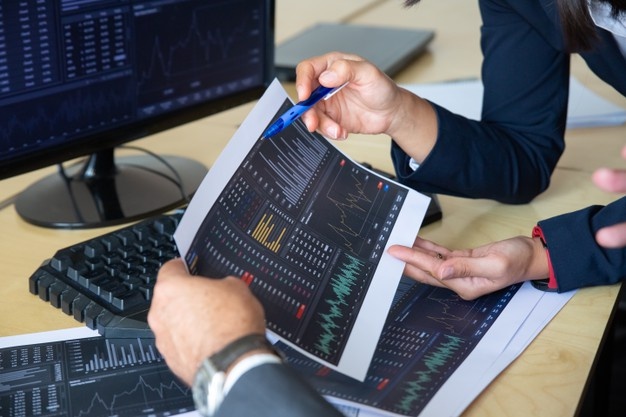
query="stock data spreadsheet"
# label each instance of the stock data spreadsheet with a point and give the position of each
(304, 227)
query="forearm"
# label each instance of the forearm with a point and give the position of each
(577, 259)
(414, 127)
(482, 160)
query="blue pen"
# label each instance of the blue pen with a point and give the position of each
(320, 93)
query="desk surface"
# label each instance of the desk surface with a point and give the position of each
(550, 376)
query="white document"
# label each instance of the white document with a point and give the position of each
(307, 229)
(47, 337)
(80, 373)
(515, 327)
(465, 97)
(510, 337)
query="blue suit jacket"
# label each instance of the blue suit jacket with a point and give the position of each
(274, 390)
(510, 154)
(509, 157)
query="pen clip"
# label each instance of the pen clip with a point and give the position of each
(335, 91)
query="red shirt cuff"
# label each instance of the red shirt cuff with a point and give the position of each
(552, 284)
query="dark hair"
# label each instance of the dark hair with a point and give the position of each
(579, 30)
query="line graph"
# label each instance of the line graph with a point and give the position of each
(354, 210)
(443, 310)
(229, 40)
(335, 315)
(128, 397)
(434, 366)
(87, 110)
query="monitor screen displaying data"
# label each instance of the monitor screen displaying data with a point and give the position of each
(78, 77)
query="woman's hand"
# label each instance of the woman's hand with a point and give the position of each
(472, 273)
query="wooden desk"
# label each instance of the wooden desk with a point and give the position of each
(550, 376)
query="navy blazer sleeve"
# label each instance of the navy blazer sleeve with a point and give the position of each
(577, 260)
(274, 390)
(510, 154)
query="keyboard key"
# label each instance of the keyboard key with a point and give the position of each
(104, 280)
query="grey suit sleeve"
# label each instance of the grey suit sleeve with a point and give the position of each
(274, 390)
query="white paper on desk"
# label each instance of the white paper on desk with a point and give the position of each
(536, 309)
(47, 337)
(55, 371)
(465, 97)
(525, 315)
(326, 280)
(549, 305)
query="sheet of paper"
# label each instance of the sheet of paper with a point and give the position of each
(438, 352)
(465, 97)
(307, 229)
(481, 368)
(77, 372)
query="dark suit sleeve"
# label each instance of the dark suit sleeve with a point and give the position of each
(510, 154)
(577, 260)
(274, 390)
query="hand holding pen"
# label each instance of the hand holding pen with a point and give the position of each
(320, 93)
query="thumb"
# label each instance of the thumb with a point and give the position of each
(464, 267)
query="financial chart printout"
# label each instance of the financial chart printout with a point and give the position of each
(307, 229)
(87, 377)
(429, 333)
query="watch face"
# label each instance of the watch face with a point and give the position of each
(208, 388)
(208, 385)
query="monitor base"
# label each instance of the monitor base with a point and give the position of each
(108, 192)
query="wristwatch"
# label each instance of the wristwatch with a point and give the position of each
(208, 384)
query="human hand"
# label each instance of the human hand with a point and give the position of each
(371, 103)
(194, 317)
(612, 180)
(472, 273)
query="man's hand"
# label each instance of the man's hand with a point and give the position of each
(194, 317)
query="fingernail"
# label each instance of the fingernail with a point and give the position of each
(332, 132)
(298, 89)
(328, 76)
(447, 272)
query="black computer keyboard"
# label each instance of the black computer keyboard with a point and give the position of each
(107, 282)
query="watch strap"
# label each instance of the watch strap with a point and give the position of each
(209, 383)
(223, 359)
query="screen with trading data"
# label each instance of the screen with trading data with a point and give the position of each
(71, 69)
(90, 377)
(306, 228)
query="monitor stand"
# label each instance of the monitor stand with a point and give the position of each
(108, 191)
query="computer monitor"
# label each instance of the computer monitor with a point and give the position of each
(82, 77)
